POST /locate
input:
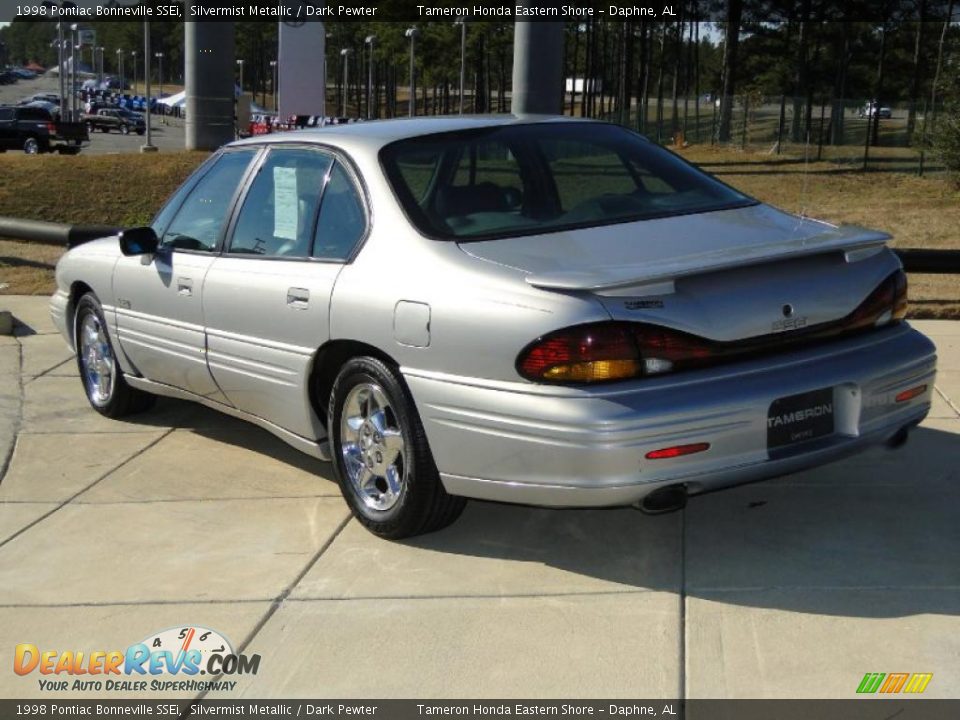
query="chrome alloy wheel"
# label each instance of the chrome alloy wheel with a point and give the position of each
(96, 357)
(372, 445)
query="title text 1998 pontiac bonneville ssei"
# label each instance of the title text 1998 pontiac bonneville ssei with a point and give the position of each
(534, 310)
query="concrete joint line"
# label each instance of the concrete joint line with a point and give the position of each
(279, 600)
(947, 400)
(18, 418)
(80, 492)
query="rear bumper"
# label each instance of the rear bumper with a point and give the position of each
(541, 445)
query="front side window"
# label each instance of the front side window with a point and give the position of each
(199, 219)
(510, 180)
(280, 210)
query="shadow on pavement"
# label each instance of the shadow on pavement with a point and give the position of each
(813, 542)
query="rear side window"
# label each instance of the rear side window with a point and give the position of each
(342, 221)
(6, 113)
(34, 114)
(199, 219)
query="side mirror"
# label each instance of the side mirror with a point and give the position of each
(139, 241)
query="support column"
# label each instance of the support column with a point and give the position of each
(537, 67)
(210, 64)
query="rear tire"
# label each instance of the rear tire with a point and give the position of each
(103, 382)
(31, 146)
(380, 454)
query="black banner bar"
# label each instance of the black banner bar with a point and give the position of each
(299, 11)
(874, 707)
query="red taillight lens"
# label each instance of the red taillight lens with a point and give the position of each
(886, 304)
(611, 351)
(585, 353)
(51, 128)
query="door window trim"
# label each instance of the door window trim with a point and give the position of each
(337, 155)
(194, 180)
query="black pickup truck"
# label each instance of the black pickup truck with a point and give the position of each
(34, 130)
(118, 119)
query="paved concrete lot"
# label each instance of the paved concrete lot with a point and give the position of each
(167, 133)
(112, 531)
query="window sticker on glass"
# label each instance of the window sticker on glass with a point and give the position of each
(285, 203)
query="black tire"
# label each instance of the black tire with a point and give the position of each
(32, 146)
(422, 504)
(123, 399)
(124, 130)
(141, 131)
(89, 128)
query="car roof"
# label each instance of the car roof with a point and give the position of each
(374, 134)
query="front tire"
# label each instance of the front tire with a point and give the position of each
(103, 381)
(380, 454)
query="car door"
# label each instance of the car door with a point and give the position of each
(7, 131)
(159, 304)
(267, 297)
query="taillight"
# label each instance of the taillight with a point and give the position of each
(886, 304)
(585, 353)
(610, 351)
(613, 350)
(51, 128)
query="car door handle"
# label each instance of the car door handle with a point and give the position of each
(298, 298)
(185, 287)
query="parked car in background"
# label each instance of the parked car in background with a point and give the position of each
(118, 119)
(44, 97)
(35, 130)
(553, 312)
(870, 109)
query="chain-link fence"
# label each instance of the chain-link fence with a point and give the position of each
(855, 132)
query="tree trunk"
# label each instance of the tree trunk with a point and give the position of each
(663, 38)
(915, 79)
(881, 67)
(731, 43)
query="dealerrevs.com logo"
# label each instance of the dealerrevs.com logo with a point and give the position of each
(170, 660)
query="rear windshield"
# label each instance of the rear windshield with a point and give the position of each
(526, 179)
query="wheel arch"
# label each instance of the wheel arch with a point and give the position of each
(329, 358)
(77, 290)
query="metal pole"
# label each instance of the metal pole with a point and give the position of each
(463, 58)
(537, 67)
(276, 101)
(133, 85)
(148, 146)
(371, 39)
(73, 72)
(412, 34)
(345, 95)
(63, 99)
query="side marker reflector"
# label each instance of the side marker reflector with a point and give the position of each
(911, 393)
(677, 451)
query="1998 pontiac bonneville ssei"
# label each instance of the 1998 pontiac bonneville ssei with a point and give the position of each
(535, 310)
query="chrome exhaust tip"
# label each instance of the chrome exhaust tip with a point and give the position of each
(664, 500)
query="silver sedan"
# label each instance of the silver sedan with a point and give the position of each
(534, 310)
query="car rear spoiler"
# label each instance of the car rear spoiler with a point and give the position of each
(656, 278)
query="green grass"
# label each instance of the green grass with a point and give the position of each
(96, 189)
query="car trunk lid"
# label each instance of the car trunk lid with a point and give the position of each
(725, 275)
